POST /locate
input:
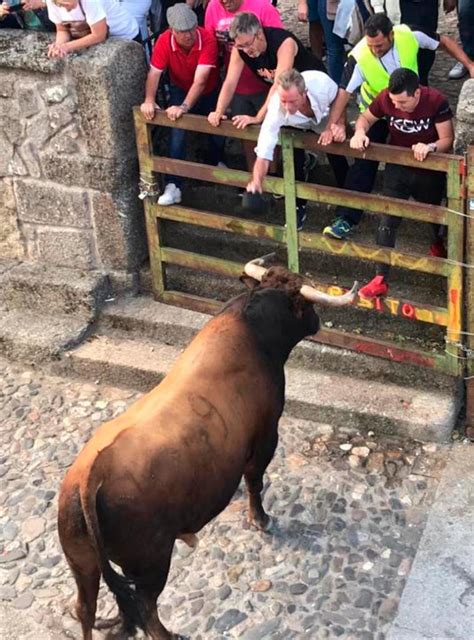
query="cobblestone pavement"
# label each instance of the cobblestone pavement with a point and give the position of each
(348, 515)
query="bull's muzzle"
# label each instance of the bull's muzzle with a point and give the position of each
(256, 270)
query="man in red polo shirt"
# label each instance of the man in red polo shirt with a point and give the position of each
(189, 53)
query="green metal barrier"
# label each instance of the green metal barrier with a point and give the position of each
(453, 316)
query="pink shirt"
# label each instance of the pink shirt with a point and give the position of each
(218, 21)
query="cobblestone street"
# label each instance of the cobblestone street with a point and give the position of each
(348, 515)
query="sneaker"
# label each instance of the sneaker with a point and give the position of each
(438, 250)
(339, 229)
(171, 195)
(375, 288)
(300, 217)
(457, 72)
(277, 196)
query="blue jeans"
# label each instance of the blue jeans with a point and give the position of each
(361, 175)
(177, 145)
(334, 44)
(466, 26)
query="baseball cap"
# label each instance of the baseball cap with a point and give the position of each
(181, 17)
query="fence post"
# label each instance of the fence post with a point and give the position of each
(469, 284)
(290, 200)
(149, 183)
(455, 198)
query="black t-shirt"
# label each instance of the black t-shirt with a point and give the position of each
(264, 66)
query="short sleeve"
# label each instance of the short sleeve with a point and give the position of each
(53, 12)
(210, 17)
(93, 10)
(443, 112)
(426, 41)
(160, 55)
(269, 16)
(208, 55)
(376, 107)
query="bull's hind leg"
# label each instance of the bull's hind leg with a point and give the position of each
(149, 574)
(87, 591)
(253, 474)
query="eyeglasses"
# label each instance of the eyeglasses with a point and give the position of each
(247, 45)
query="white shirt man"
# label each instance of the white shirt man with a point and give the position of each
(302, 100)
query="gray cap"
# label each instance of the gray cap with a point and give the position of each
(181, 17)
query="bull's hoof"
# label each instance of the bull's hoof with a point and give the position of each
(262, 524)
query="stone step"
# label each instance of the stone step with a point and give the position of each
(143, 316)
(59, 290)
(33, 337)
(348, 403)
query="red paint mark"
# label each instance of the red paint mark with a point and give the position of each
(408, 310)
(398, 355)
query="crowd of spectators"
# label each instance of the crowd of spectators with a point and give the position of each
(235, 59)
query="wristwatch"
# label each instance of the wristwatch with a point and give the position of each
(184, 106)
(433, 147)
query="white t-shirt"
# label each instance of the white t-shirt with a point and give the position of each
(321, 93)
(121, 24)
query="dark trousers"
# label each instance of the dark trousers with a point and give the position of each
(361, 175)
(466, 26)
(421, 14)
(423, 185)
(338, 164)
(177, 148)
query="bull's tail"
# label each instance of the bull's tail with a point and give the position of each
(122, 587)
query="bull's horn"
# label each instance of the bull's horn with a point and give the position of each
(313, 295)
(255, 268)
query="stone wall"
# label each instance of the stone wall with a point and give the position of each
(68, 166)
(465, 117)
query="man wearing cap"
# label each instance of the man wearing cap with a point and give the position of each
(189, 53)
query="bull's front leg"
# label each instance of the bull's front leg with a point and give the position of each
(253, 474)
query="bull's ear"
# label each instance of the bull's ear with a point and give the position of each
(249, 282)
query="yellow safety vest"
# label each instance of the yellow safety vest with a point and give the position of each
(375, 75)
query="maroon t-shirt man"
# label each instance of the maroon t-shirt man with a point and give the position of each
(406, 128)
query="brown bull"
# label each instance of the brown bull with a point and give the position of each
(174, 459)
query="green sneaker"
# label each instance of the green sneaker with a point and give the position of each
(339, 229)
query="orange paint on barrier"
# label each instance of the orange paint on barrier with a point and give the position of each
(393, 305)
(365, 303)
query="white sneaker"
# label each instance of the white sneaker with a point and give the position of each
(457, 72)
(171, 195)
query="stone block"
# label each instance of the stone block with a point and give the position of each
(52, 204)
(11, 245)
(15, 130)
(465, 118)
(6, 154)
(54, 93)
(28, 100)
(101, 174)
(119, 228)
(66, 140)
(26, 50)
(17, 167)
(7, 84)
(30, 160)
(66, 248)
(62, 114)
(39, 130)
(109, 80)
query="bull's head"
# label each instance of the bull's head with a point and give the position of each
(256, 270)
